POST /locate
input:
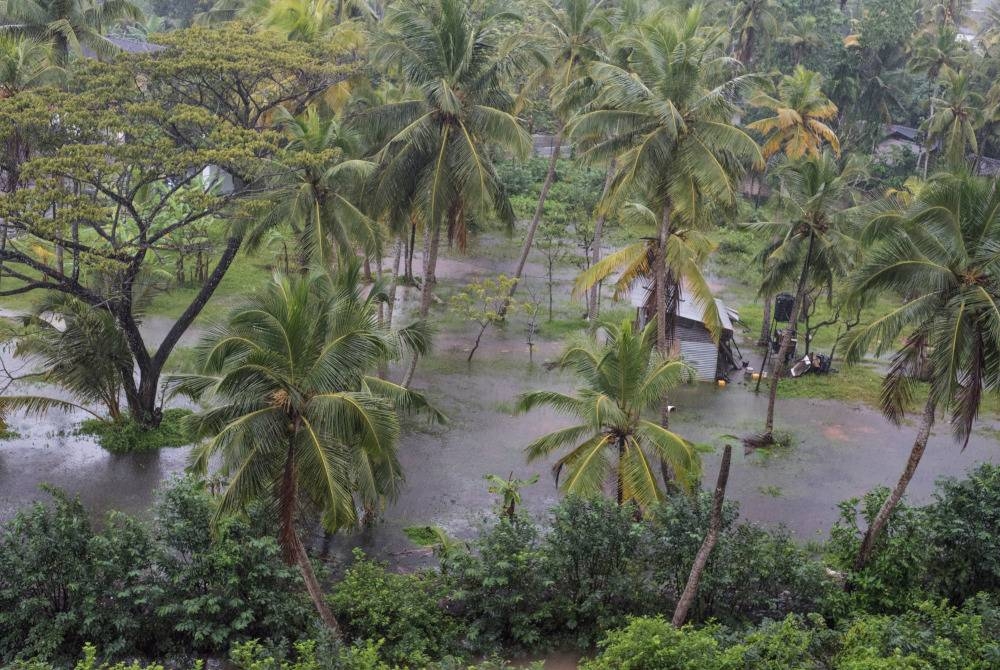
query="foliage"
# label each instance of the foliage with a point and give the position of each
(404, 612)
(619, 380)
(130, 590)
(652, 643)
(64, 584)
(498, 587)
(482, 303)
(128, 436)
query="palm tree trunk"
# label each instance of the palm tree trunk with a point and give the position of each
(882, 518)
(711, 537)
(409, 251)
(432, 240)
(786, 341)
(765, 327)
(395, 283)
(660, 283)
(593, 307)
(291, 544)
(550, 176)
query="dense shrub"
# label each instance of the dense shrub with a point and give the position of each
(934, 636)
(127, 436)
(652, 643)
(591, 564)
(964, 529)
(218, 586)
(178, 588)
(403, 611)
(894, 578)
(752, 574)
(62, 584)
(499, 587)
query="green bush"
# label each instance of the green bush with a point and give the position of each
(894, 578)
(499, 588)
(63, 585)
(752, 574)
(218, 586)
(403, 612)
(591, 564)
(652, 643)
(932, 636)
(964, 527)
(127, 436)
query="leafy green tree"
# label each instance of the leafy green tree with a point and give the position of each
(69, 24)
(575, 32)
(955, 118)
(481, 302)
(937, 254)
(801, 113)
(179, 13)
(668, 118)
(97, 213)
(613, 442)
(296, 415)
(815, 244)
(318, 196)
(436, 160)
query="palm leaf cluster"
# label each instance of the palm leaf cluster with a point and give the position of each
(801, 112)
(667, 116)
(69, 25)
(289, 379)
(940, 253)
(611, 445)
(435, 160)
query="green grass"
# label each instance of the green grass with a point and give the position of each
(856, 383)
(8, 433)
(424, 536)
(247, 274)
(126, 436)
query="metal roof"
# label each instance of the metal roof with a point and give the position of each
(687, 308)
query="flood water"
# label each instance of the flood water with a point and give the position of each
(839, 450)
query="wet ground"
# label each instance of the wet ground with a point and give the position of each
(839, 450)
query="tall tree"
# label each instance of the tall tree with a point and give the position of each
(318, 196)
(956, 117)
(296, 416)
(437, 152)
(814, 246)
(938, 254)
(754, 22)
(612, 445)
(182, 111)
(575, 32)
(801, 112)
(70, 25)
(668, 119)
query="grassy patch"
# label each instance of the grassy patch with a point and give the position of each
(424, 536)
(126, 436)
(857, 383)
(245, 275)
(8, 433)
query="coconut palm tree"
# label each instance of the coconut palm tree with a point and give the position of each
(801, 110)
(814, 245)
(754, 22)
(317, 192)
(956, 117)
(612, 444)
(574, 31)
(668, 119)
(296, 417)
(25, 63)
(687, 250)
(69, 25)
(437, 152)
(802, 36)
(939, 254)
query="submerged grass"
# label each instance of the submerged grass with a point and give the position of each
(126, 436)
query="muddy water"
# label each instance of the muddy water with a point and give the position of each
(840, 450)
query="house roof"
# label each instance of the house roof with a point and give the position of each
(904, 132)
(687, 308)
